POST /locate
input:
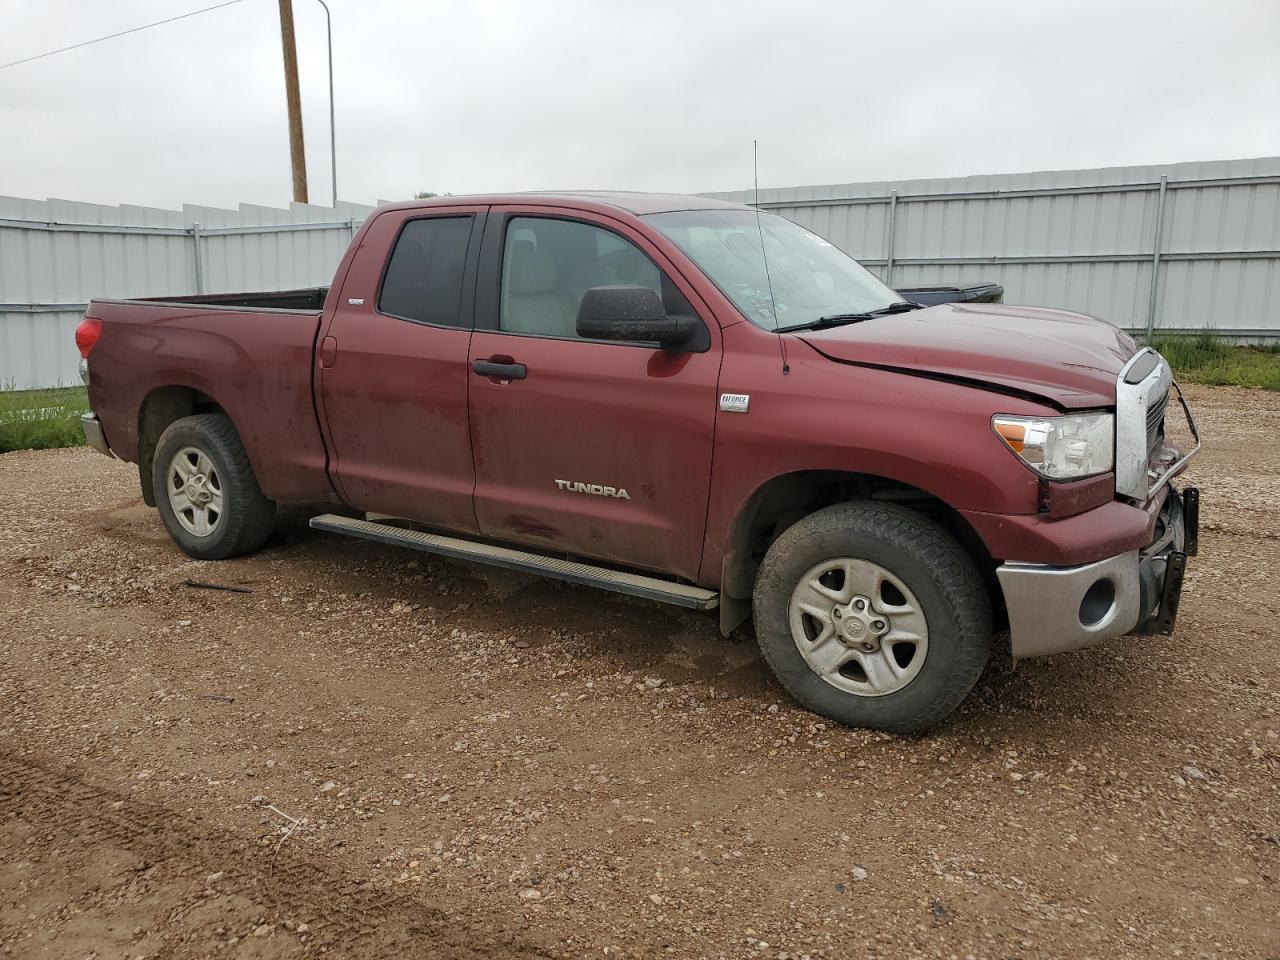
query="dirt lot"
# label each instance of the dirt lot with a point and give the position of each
(487, 766)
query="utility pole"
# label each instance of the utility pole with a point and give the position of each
(296, 150)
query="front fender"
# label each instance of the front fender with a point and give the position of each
(820, 416)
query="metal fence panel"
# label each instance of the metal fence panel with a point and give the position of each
(1082, 240)
(56, 255)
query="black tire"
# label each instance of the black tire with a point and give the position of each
(247, 516)
(924, 557)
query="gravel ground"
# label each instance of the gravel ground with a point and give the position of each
(470, 764)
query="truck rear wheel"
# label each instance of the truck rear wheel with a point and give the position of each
(873, 616)
(206, 492)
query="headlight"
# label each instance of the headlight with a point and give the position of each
(1061, 448)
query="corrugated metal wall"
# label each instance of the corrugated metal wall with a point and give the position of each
(55, 255)
(1078, 239)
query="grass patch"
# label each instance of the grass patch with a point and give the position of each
(1207, 358)
(38, 419)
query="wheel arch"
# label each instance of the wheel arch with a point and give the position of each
(159, 408)
(780, 501)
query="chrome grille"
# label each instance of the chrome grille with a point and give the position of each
(1155, 425)
(1140, 411)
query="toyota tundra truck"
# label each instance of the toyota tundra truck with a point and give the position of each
(685, 400)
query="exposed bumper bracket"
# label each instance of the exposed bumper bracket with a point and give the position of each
(1170, 595)
(1191, 518)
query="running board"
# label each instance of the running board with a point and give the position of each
(633, 584)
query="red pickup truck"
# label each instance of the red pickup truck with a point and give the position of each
(686, 400)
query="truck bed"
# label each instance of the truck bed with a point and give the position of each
(307, 300)
(249, 354)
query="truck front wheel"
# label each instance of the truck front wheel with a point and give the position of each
(206, 492)
(873, 616)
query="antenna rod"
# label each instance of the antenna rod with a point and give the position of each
(764, 255)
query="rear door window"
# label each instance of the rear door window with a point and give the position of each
(423, 282)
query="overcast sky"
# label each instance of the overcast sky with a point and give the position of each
(656, 95)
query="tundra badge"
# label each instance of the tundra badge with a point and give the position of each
(735, 402)
(595, 489)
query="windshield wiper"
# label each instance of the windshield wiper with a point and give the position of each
(832, 320)
(898, 306)
(837, 319)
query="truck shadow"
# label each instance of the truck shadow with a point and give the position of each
(608, 633)
(615, 633)
(619, 633)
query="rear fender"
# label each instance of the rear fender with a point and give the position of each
(161, 407)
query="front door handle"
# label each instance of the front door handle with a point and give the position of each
(497, 372)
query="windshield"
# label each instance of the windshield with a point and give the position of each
(810, 278)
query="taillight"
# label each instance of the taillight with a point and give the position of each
(87, 334)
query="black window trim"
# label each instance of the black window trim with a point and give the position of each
(488, 299)
(467, 298)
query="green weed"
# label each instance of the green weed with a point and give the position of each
(1206, 357)
(37, 419)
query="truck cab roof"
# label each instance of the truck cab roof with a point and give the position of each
(635, 202)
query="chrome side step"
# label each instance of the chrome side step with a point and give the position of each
(633, 584)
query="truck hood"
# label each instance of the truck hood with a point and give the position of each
(1070, 360)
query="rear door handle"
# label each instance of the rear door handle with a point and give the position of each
(500, 371)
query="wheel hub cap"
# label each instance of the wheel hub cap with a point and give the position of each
(197, 488)
(195, 491)
(859, 627)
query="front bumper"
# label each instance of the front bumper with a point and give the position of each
(1054, 609)
(93, 434)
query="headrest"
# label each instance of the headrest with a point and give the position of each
(532, 271)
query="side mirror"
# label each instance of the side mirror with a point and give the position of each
(625, 312)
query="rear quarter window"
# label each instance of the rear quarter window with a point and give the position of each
(423, 282)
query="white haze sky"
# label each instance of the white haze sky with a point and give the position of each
(464, 97)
